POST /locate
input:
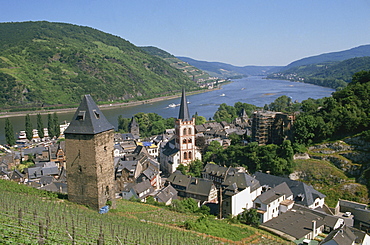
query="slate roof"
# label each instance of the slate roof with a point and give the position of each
(200, 186)
(184, 110)
(341, 236)
(216, 170)
(178, 179)
(143, 186)
(293, 223)
(37, 172)
(242, 180)
(45, 180)
(56, 187)
(166, 194)
(88, 119)
(275, 193)
(168, 150)
(302, 193)
(16, 174)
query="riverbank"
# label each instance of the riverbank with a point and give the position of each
(105, 106)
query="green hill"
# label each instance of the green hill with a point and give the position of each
(56, 63)
(31, 216)
(360, 51)
(192, 72)
(330, 74)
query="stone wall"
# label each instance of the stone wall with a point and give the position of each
(90, 172)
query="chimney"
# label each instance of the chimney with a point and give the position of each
(313, 229)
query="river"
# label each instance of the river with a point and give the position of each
(252, 90)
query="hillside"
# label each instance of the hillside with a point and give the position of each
(190, 71)
(31, 216)
(43, 63)
(223, 70)
(360, 51)
(337, 169)
(330, 74)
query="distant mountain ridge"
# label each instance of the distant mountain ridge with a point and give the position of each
(361, 51)
(44, 63)
(336, 74)
(224, 70)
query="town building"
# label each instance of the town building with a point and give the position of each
(181, 148)
(89, 149)
(270, 127)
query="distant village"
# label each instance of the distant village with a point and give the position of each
(95, 165)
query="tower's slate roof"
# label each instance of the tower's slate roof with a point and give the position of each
(184, 110)
(88, 119)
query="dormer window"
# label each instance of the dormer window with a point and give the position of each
(97, 115)
(81, 116)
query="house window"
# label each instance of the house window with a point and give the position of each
(258, 205)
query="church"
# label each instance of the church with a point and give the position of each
(181, 148)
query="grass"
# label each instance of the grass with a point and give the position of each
(30, 215)
(331, 181)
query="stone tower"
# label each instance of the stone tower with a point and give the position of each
(185, 133)
(134, 129)
(89, 151)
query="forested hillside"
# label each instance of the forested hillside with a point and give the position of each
(360, 51)
(330, 74)
(44, 63)
(192, 72)
(228, 71)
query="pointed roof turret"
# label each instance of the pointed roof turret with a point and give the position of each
(184, 110)
(133, 122)
(88, 119)
(244, 113)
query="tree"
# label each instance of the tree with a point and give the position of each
(56, 125)
(9, 132)
(187, 205)
(28, 125)
(51, 126)
(361, 77)
(195, 168)
(40, 126)
(199, 120)
(249, 217)
(123, 124)
(304, 129)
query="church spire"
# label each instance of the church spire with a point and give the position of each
(184, 110)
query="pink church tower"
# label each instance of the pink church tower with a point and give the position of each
(185, 133)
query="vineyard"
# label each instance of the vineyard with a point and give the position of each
(30, 216)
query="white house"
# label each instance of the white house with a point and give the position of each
(239, 191)
(273, 202)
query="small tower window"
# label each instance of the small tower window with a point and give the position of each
(184, 141)
(185, 155)
(184, 131)
(189, 154)
(97, 115)
(81, 116)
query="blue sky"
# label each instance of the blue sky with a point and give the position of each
(238, 32)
